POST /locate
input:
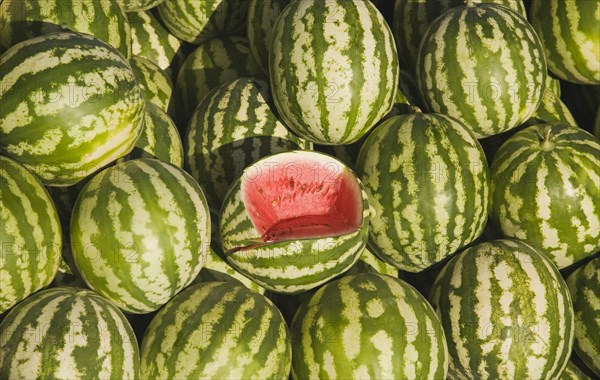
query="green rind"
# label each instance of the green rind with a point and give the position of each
(138, 5)
(234, 126)
(428, 183)
(217, 330)
(572, 372)
(155, 83)
(262, 15)
(70, 105)
(138, 233)
(506, 312)
(333, 69)
(584, 285)
(368, 326)
(21, 20)
(551, 110)
(547, 193)
(570, 35)
(370, 263)
(30, 234)
(67, 333)
(484, 65)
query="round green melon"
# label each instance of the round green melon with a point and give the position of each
(584, 285)
(30, 234)
(262, 15)
(571, 37)
(67, 333)
(427, 180)
(572, 372)
(21, 20)
(368, 326)
(294, 221)
(235, 125)
(70, 105)
(483, 64)
(138, 5)
(544, 190)
(197, 21)
(138, 233)
(506, 312)
(333, 69)
(156, 85)
(217, 330)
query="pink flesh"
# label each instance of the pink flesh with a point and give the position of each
(306, 200)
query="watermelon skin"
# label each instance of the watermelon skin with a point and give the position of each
(151, 40)
(334, 77)
(572, 372)
(159, 139)
(67, 333)
(262, 15)
(506, 312)
(378, 327)
(30, 234)
(412, 18)
(21, 20)
(584, 285)
(212, 64)
(545, 191)
(571, 38)
(487, 90)
(78, 117)
(217, 330)
(434, 199)
(289, 266)
(142, 217)
(199, 21)
(234, 126)
(156, 85)
(138, 5)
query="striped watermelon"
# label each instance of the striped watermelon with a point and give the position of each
(484, 65)
(553, 84)
(151, 40)
(235, 125)
(30, 234)
(147, 219)
(294, 220)
(370, 263)
(67, 333)
(262, 14)
(159, 139)
(584, 285)
(506, 312)
(217, 330)
(24, 19)
(333, 68)
(368, 326)
(212, 64)
(70, 105)
(571, 37)
(572, 372)
(138, 5)
(427, 180)
(156, 85)
(198, 21)
(413, 17)
(545, 191)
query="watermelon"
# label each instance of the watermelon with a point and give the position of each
(551, 110)
(294, 220)
(67, 333)
(553, 84)
(143, 218)
(138, 5)
(333, 69)
(30, 234)
(483, 64)
(217, 330)
(156, 85)
(413, 17)
(159, 139)
(198, 21)
(506, 312)
(572, 372)
(571, 37)
(584, 285)
(212, 64)
(544, 187)
(368, 326)
(151, 40)
(83, 106)
(21, 20)
(427, 180)
(235, 125)
(370, 263)
(262, 15)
